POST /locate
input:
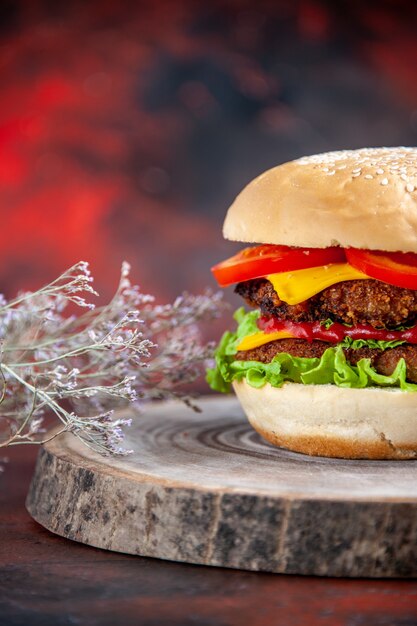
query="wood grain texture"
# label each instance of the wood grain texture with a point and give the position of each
(204, 488)
(47, 580)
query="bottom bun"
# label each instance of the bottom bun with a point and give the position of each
(325, 420)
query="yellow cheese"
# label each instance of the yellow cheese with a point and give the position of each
(299, 285)
(258, 339)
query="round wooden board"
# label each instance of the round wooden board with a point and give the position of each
(205, 488)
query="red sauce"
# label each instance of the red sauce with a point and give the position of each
(336, 333)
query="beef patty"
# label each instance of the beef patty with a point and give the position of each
(351, 302)
(383, 361)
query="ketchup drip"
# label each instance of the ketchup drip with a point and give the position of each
(336, 333)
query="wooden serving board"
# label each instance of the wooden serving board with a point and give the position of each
(205, 488)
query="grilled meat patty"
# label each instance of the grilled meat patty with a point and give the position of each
(383, 361)
(351, 302)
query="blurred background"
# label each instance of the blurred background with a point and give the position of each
(127, 128)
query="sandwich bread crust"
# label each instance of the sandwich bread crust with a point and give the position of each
(330, 421)
(353, 198)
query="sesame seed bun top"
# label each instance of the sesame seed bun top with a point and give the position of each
(353, 198)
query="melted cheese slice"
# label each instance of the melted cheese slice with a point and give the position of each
(258, 339)
(299, 285)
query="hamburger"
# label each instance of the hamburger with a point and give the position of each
(324, 357)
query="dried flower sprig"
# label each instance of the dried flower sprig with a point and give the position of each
(81, 367)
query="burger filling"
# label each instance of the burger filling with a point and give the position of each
(352, 333)
(350, 302)
(384, 361)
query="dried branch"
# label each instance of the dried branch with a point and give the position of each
(80, 368)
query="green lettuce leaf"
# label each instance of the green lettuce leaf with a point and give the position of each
(331, 368)
(355, 344)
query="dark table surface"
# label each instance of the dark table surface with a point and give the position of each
(49, 581)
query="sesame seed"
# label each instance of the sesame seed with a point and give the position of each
(410, 187)
(388, 162)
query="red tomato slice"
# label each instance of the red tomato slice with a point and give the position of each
(268, 259)
(394, 268)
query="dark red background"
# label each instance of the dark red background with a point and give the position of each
(127, 128)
